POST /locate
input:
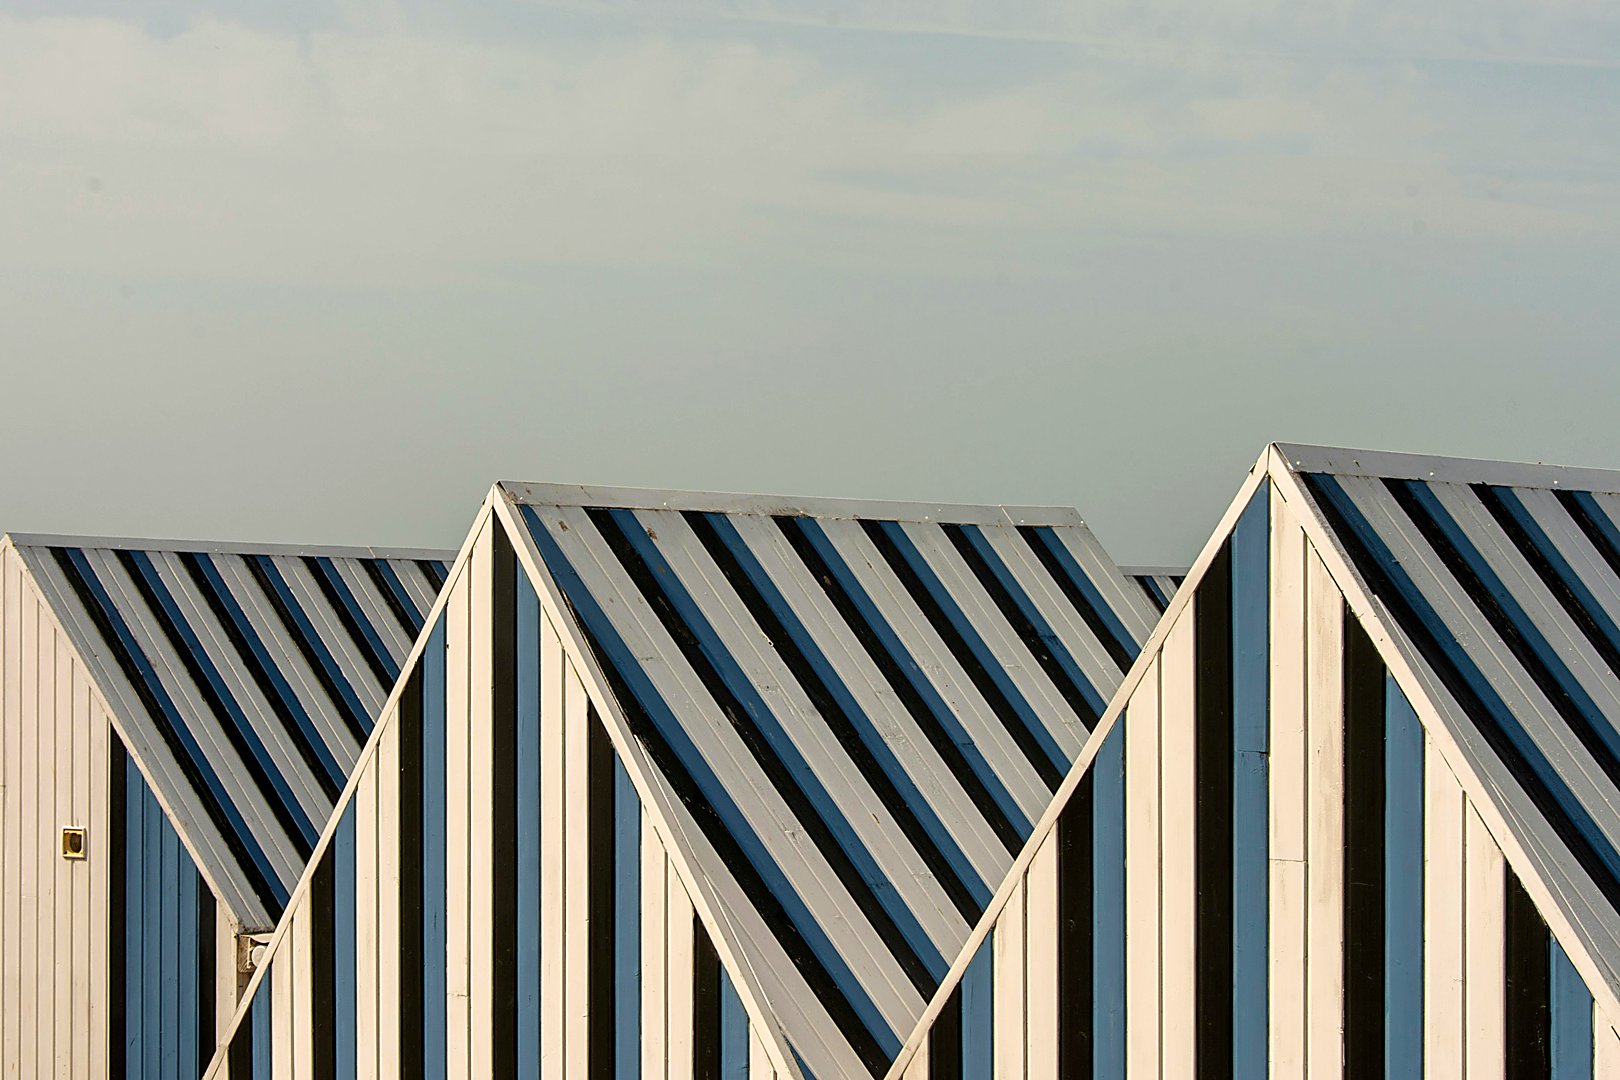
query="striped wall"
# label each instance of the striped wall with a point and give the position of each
(53, 912)
(1305, 889)
(494, 898)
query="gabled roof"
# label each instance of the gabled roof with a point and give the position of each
(243, 680)
(855, 712)
(1492, 592)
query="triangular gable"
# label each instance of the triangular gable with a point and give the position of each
(851, 715)
(1489, 591)
(243, 680)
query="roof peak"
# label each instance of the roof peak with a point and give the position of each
(632, 498)
(1346, 461)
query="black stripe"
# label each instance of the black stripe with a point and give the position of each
(705, 1005)
(732, 856)
(290, 818)
(1364, 865)
(117, 885)
(1033, 640)
(410, 621)
(503, 793)
(1212, 692)
(1121, 652)
(434, 572)
(330, 785)
(1076, 995)
(1022, 737)
(940, 739)
(240, 1055)
(803, 809)
(381, 665)
(1528, 987)
(1594, 532)
(1457, 684)
(600, 906)
(843, 726)
(411, 930)
(154, 709)
(207, 975)
(1509, 631)
(257, 566)
(323, 968)
(945, 1040)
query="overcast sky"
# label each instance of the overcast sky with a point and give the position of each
(318, 271)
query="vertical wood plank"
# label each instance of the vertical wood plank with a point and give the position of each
(1010, 999)
(1041, 981)
(1443, 920)
(553, 871)
(759, 1060)
(303, 979)
(1485, 961)
(366, 951)
(225, 974)
(1324, 841)
(388, 839)
(481, 816)
(94, 922)
(458, 818)
(1606, 1052)
(1142, 839)
(577, 873)
(11, 897)
(1178, 822)
(32, 744)
(654, 959)
(682, 953)
(67, 874)
(282, 1008)
(1290, 793)
(918, 1069)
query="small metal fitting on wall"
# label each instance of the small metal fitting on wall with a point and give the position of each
(73, 843)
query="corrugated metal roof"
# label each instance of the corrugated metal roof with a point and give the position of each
(1159, 582)
(245, 680)
(1502, 583)
(863, 709)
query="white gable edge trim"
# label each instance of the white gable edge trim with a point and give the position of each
(657, 800)
(206, 861)
(626, 498)
(1382, 463)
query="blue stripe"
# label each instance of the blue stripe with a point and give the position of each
(239, 831)
(882, 751)
(397, 590)
(626, 925)
(134, 918)
(345, 1029)
(781, 743)
(968, 631)
(434, 872)
(907, 663)
(268, 767)
(264, 1058)
(528, 834)
(1572, 1044)
(368, 633)
(1403, 885)
(1071, 567)
(1151, 586)
(186, 956)
(624, 662)
(1108, 905)
(733, 1031)
(1499, 716)
(1054, 645)
(272, 669)
(1251, 804)
(312, 638)
(160, 1011)
(979, 1014)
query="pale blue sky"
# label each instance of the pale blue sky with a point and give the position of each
(323, 271)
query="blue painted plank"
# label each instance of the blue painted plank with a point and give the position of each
(733, 1031)
(626, 925)
(1251, 818)
(134, 919)
(978, 1014)
(344, 976)
(187, 974)
(264, 1033)
(1110, 619)
(1572, 1046)
(1108, 906)
(434, 871)
(1403, 885)
(157, 1011)
(529, 945)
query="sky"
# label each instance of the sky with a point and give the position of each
(322, 272)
